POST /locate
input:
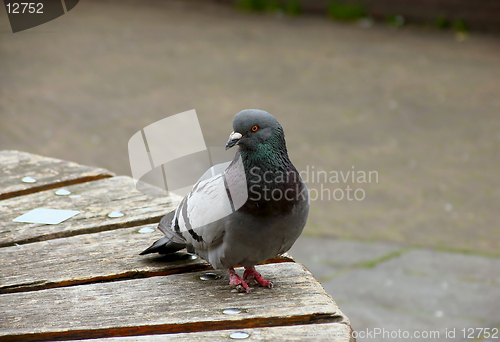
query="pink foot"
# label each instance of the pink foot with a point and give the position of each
(235, 279)
(252, 275)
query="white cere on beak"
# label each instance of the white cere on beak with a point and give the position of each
(235, 135)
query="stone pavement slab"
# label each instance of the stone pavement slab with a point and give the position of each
(434, 295)
(391, 288)
(371, 322)
(326, 257)
(465, 267)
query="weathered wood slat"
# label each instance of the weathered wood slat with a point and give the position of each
(49, 173)
(97, 199)
(171, 304)
(325, 332)
(89, 258)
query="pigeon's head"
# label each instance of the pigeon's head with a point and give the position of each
(254, 127)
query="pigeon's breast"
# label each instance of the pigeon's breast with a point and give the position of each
(252, 239)
(274, 195)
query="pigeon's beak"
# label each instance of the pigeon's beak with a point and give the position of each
(234, 138)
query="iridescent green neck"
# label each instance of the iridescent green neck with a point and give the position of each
(269, 155)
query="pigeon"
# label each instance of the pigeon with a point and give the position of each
(268, 220)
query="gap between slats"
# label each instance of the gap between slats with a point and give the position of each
(177, 328)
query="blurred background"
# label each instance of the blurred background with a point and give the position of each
(413, 96)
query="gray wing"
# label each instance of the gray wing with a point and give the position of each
(198, 222)
(199, 219)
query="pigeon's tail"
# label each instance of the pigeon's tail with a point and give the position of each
(169, 243)
(163, 246)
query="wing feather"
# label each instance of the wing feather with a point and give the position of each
(199, 214)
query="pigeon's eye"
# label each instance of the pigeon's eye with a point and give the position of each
(255, 128)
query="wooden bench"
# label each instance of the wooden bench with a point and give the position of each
(83, 278)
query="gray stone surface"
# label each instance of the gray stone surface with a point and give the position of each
(419, 291)
(340, 253)
(433, 295)
(463, 267)
(326, 257)
(370, 323)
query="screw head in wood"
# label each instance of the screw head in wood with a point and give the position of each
(146, 230)
(231, 311)
(239, 335)
(116, 214)
(209, 276)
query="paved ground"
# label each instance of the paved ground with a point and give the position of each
(416, 106)
(395, 290)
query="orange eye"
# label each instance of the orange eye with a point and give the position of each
(255, 128)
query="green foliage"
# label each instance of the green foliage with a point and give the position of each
(346, 11)
(396, 20)
(293, 7)
(252, 5)
(460, 26)
(273, 6)
(442, 23)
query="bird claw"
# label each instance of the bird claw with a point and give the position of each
(241, 285)
(250, 277)
(250, 281)
(241, 289)
(254, 277)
